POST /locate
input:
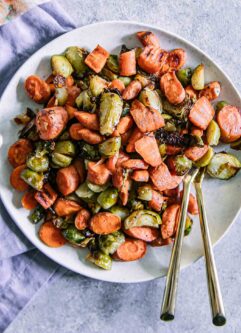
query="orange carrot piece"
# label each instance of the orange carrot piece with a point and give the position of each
(117, 84)
(156, 202)
(28, 200)
(16, 180)
(201, 113)
(132, 90)
(229, 121)
(70, 110)
(148, 149)
(46, 197)
(136, 135)
(169, 220)
(90, 136)
(74, 131)
(88, 120)
(125, 124)
(67, 180)
(140, 176)
(82, 219)
(146, 234)
(148, 38)
(162, 178)
(64, 207)
(130, 250)
(98, 173)
(152, 59)
(135, 164)
(97, 58)
(50, 235)
(105, 223)
(127, 63)
(19, 151)
(195, 153)
(37, 89)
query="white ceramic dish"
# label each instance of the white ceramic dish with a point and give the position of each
(222, 198)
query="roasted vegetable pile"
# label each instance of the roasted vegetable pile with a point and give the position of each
(101, 160)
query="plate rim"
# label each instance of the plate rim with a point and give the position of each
(172, 35)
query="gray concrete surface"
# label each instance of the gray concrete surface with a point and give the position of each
(74, 303)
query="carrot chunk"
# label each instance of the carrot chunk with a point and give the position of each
(46, 197)
(105, 223)
(19, 151)
(148, 149)
(98, 173)
(169, 220)
(97, 58)
(146, 234)
(201, 113)
(50, 235)
(195, 153)
(162, 178)
(132, 90)
(130, 250)
(88, 120)
(28, 200)
(229, 121)
(140, 176)
(64, 207)
(152, 59)
(67, 179)
(148, 38)
(127, 63)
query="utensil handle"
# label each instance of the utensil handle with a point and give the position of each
(215, 295)
(169, 298)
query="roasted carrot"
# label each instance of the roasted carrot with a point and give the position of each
(196, 131)
(229, 121)
(127, 63)
(147, 119)
(211, 90)
(161, 242)
(73, 93)
(82, 219)
(201, 113)
(19, 151)
(70, 110)
(90, 137)
(135, 164)
(80, 168)
(16, 180)
(118, 178)
(50, 122)
(74, 131)
(121, 158)
(169, 220)
(130, 250)
(52, 102)
(88, 120)
(132, 90)
(195, 153)
(136, 135)
(172, 88)
(117, 84)
(65, 207)
(125, 124)
(46, 197)
(124, 190)
(148, 38)
(50, 79)
(140, 176)
(148, 149)
(69, 81)
(172, 150)
(175, 60)
(192, 204)
(156, 202)
(105, 223)
(67, 179)
(28, 200)
(97, 58)
(192, 93)
(152, 59)
(162, 178)
(37, 89)
(98, 173)
(172, 193)
(50, 235)
(111, 162)
(125, 137)
(146, 234)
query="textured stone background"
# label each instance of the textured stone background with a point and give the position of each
(77, 304)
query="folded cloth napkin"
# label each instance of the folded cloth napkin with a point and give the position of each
(21, 275)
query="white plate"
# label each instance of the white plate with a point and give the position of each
(222, 197)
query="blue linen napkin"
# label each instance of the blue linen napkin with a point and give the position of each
(22, 274)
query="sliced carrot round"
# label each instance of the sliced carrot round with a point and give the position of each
(105, 223)
(16, 180)
(18, 152)
(130, 250)
(146, 234)
(28, 200)
(50, 235)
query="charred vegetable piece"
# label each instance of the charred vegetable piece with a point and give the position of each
(100, 259)
(205, 160)
(88, 152)
(223, 166)
(151, 98)
(136, 204)
(188, 226)
(125, 79)
(84, 101)
(32, 178)
(38, 164)
(110, 111)
(184, 76)
(142, 218)
(97, 85)
(144, 193)
(179, 111)
(76, 56)
(108, 198)
(220, 105)
(37, 215)
(180, 164)
(108, 75)
(108, 244)
(213, 133)
(112, 63)
(236, 145)
(198, 77)
(97, 188)
(61, 66)
(73, 235)
(83, 191)
(122, 212)
(110, 147)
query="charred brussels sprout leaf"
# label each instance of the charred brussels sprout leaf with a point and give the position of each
(188, 226)
(223, 166)
(61, 66)
(37, 215)
(73, 235)
(220, 105)
(236, 145)
(112, 63)
(88, 152)
(85, 101)
(108, 244)
(110, 147)
(76, 57)
(38, 164)
(142, 218)
(179, 111)
(100, 259)
(205, 160)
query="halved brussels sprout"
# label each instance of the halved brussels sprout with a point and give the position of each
(61, 95)
(93, 205)
(236, 145)
(38, 164)
(32, 178)
(151, 98)
(142, 218)
(97, 188)
(108, 244)
(136, 204)
(125, 79)
(144, 193)
(163, 149)
(213, 133)
(84, 101)
(184, 76)
(205, 160)
(83, 191)
(61, 65)
(198, 77)
(110, 111)
(188, 226)
(61, 160)
(179, 111)
(112, 63)
(220, 105)
(110, 147)
(143, 79)
(73, 235)
(181, 164)
(76, 57)
(122, 212)
(65, 147)
(97, 85)
(100, 259)
(108, 74)
(108, 198)
(223, 166)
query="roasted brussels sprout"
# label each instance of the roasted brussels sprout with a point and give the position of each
(143, 79)
(112, 63)
(184, 76)
(97, 85)
(136, 204)
(179, 111)
(180, 164)
(61, 95)
(125, 79)
(108, 244)
(166, 116)
(110, 147)
(61, 66)
(32, 178)
(100, 259)
(144, 193)
(126, 109)
(73, 235)
(236, 145)
(163, 149)
(97, 188)
(220, 105)
(110, 111)
(84, 101)
(44, 147)
(213, 133)
(205, 160)
(65, 147)
(223, 166)
(83, 191)
(142, 218)
(60, 160)
(65, 136)
(108, 198)
(88, 152)
(188, 226)
(76, 57)
(151, 98)
(93, 205)
(38, 164)
(122, 212)
(108, 74)
(37, 215)
(197, 79)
